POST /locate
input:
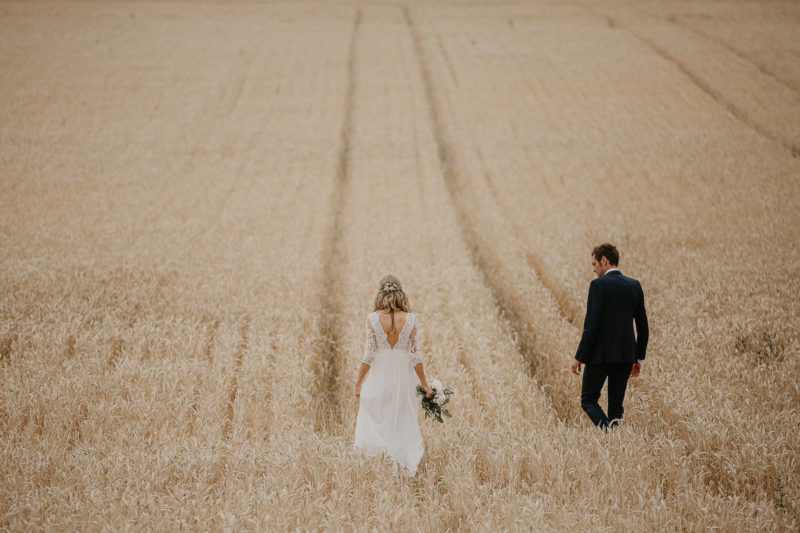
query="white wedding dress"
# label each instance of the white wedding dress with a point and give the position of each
(388, 409)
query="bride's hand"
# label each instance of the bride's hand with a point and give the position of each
(428, 391)
(358, 390)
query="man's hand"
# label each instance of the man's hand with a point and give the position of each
(576, 367)
(635, 370)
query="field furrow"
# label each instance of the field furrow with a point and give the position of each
(199, 198)
(327, 363)
(488, 263)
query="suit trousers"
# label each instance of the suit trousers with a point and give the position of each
(593, 378)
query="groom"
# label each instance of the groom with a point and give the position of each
(608, 346)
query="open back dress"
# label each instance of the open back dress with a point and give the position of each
(388, 413)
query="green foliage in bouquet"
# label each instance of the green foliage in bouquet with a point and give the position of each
(435, 405)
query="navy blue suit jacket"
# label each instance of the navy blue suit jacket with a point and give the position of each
(615, 303)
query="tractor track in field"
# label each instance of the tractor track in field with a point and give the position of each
(716, 95)
(705, 87)
(674, 19)
(233, 389)
(487, 265)
(75, 434)
(565, 307)
(212, 326)
(327, 358)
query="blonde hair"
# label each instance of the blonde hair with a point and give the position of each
(391, 297)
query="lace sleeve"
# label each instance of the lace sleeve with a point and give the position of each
(371, 346)
(416, 357)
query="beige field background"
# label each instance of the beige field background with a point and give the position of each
(198, 199)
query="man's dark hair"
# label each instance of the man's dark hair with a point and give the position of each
(609, 251)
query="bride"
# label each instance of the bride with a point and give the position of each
(387, 415)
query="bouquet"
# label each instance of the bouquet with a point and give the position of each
(435, 405)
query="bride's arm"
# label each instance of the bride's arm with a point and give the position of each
(362, 373)
(371, 346)
(421, 375)
(416, 358)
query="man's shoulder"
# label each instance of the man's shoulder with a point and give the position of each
(630, 280)
(616, 279)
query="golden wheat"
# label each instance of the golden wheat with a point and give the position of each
(199, 198)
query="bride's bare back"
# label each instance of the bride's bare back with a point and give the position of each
(385, 319)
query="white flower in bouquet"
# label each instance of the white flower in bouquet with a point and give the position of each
(434, 406)
(438, 392)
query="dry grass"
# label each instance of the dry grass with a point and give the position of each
(198, 198)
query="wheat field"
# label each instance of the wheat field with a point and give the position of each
(199, 198)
